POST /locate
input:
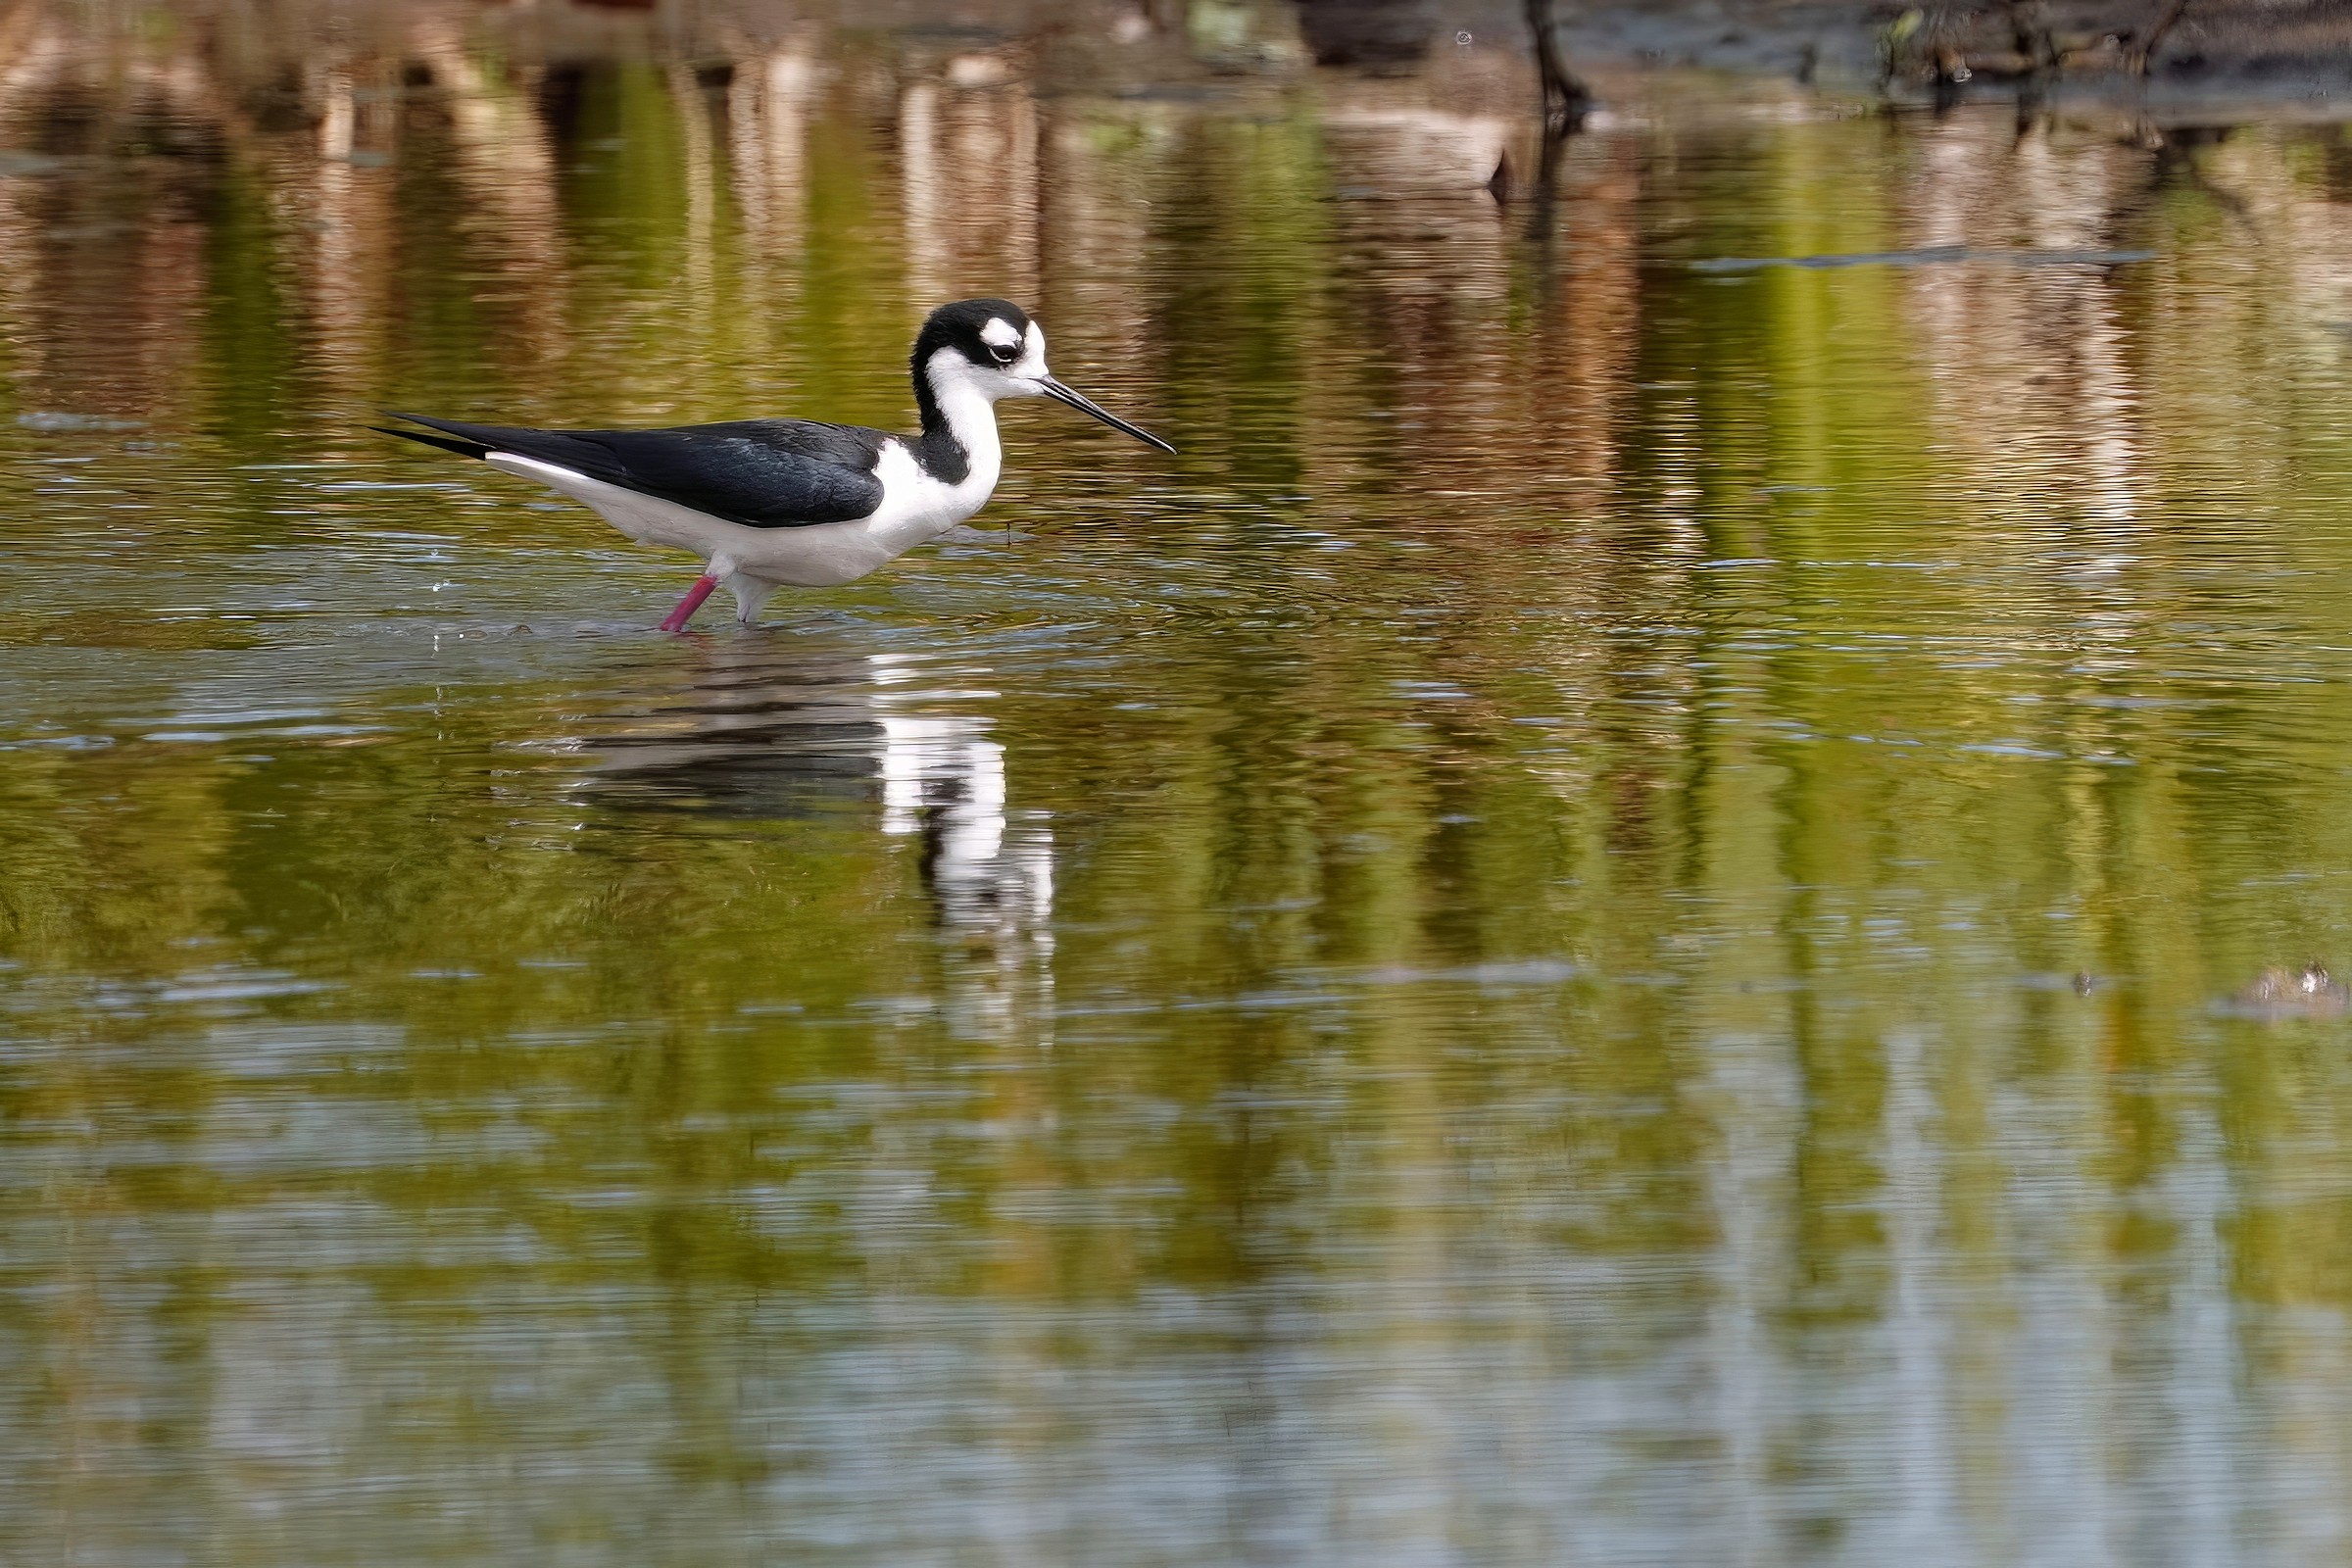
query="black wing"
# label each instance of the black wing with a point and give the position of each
(763, 473)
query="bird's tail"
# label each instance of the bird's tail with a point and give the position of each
(458, 444)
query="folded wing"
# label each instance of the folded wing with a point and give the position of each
(762, 473)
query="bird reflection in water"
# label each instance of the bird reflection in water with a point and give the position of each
(766, 732)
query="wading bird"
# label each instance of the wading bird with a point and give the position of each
(767, 503)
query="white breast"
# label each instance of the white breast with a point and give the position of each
(916, 506)
(911, 498)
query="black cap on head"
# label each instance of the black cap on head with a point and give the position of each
(965, 327)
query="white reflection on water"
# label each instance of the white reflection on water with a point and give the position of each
(943, 779)
(766, 730)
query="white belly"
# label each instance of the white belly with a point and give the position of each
(915, 509)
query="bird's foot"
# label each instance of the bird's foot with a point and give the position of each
(677, 619)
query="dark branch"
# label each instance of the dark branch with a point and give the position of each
(2143, 50)
(1566, 98)
(2029, 31)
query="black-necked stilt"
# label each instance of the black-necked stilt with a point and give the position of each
(773, 502)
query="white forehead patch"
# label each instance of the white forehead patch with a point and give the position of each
(998, 334)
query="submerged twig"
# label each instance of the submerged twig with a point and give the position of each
(1566, 98)
(1566, 103)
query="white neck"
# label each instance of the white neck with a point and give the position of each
(972, 422)
(970, 412)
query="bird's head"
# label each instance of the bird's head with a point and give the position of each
(991, 349)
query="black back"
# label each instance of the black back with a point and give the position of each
(762, 473)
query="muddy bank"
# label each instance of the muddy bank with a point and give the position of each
(2168, 50)
(2205, 46)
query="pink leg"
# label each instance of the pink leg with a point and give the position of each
(677, 619)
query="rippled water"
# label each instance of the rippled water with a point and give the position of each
(1645, 911)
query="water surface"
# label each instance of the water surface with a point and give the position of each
(1645, 911)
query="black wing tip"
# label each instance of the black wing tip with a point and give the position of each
(463, 447)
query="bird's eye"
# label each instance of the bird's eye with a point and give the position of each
(1005, 353)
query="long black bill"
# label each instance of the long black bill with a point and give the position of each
(1086, 405)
